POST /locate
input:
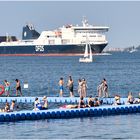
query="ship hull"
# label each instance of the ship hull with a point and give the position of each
(48, 50)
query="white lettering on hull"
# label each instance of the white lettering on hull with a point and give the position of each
(39, 48)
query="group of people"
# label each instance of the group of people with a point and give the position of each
(7, 87)
(102, 89)
(70, 86)
(41, 105)
(38, 105)
(9, 108)
(130, 99)
(92, 102)
(82, 87)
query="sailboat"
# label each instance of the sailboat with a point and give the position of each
(133, 50)
(87, 56)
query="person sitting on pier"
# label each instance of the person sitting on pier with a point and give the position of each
(138, 98)
(130, 98)
(117, 100)
(40, 106)
(44, 103)
(96, 102)
(13, 106)
(137, 101)
(7, 107)
(37, 104)
(81, 102)
(90, 101)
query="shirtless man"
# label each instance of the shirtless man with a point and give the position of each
(70, 86)
(61, 84)
(18, 87)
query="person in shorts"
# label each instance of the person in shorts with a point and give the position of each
(18, 87)
(7, 87)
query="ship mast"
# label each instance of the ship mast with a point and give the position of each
(85, 22)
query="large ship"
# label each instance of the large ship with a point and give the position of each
(67, 40)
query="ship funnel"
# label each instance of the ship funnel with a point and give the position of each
(29, 32)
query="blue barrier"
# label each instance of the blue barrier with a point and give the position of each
(138, 108)
(69, 113)
(23, 116)
(68, 100)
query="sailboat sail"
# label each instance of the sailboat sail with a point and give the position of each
(86, 51)
(87, 55)
(90, 57)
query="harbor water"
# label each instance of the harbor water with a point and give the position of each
(121, 70)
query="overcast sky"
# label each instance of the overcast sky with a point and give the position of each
(123, 18)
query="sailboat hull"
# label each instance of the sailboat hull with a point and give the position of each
(85, 60)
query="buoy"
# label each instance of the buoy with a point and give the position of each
(100, 112)
(7, 117)
(104, 111)
(13, 117)
(33, 116)
(2, 118)
(2, 89)
(43, 115)
(126, 109)
(17, 117)
(23, 116)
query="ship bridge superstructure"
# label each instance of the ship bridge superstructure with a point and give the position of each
(70, 34)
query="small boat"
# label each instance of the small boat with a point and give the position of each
(133, 50)
(87, 56)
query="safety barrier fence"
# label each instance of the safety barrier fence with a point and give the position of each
(69, 113)
(57, 99)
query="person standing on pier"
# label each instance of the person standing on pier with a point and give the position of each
(61, 84)
(70, 86)
(18, 87)
(84, 87)
(80, 87)
(100, 89)
(105, 88)
(7, 87)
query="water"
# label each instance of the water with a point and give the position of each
(109, 127)
(43, 73)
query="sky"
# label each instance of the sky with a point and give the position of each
(122, 17)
